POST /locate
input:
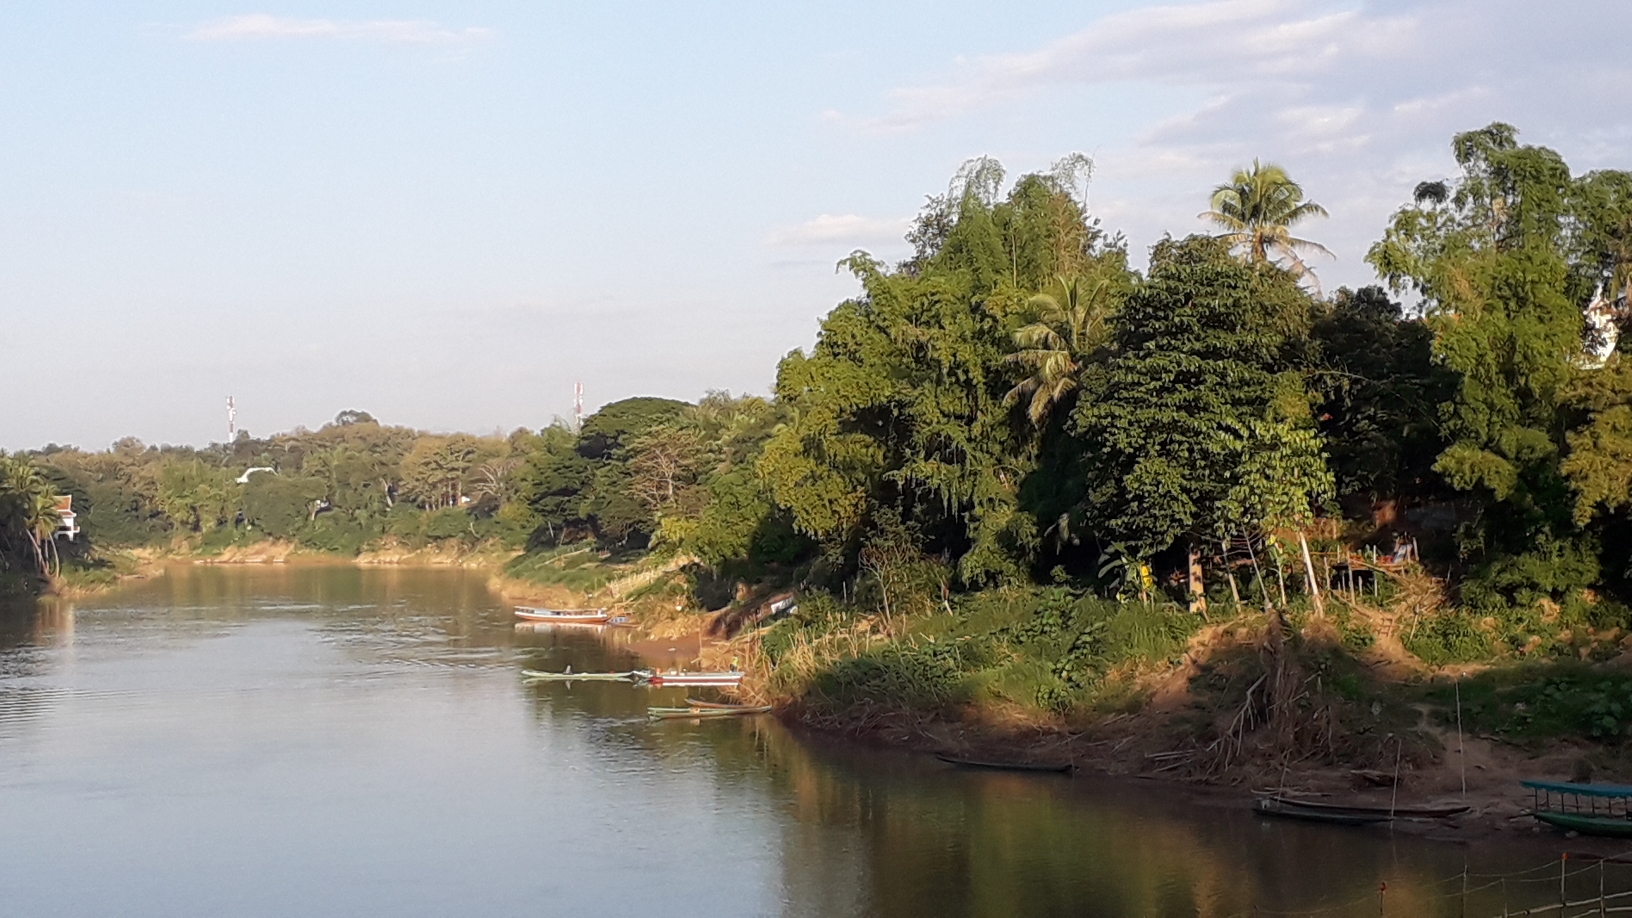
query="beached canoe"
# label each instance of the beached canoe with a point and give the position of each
(1051, 767)
(705, 713)
(1363, 809)
(562, 616)
(1275, 807)
(570, 676)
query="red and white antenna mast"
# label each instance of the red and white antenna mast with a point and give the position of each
(232, 419)
(577, 406)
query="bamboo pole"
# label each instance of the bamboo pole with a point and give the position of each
(1461, 750)
(1229, 573)
(1309, 570)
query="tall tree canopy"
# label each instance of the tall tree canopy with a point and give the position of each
(1197, 427)
(1257, 208)
(900, 409)
(1506, 259)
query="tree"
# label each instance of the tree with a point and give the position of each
(28, 508)
(1195, 428)
(900, 408)
(434, 472)
(1257, 209)
(1380, 392)
(1068, 327)
(352, 416)
(1500, 265)
(899, 411)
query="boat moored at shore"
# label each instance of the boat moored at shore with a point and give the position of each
(562, 616)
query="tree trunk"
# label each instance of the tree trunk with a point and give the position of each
(1280, 575)
(1258, 571)
(1229, 572)
(1309, 570)
(1198, 589)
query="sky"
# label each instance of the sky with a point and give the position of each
(446, 214)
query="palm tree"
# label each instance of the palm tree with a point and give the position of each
(1257, 209)
(1068, 326)
(31, 502)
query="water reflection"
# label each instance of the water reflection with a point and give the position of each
(337, 741)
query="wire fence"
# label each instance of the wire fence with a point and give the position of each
(1521, 884)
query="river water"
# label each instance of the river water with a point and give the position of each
(316, 741)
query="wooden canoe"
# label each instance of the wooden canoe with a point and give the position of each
(694, 679)
(713, 705)
(1274, 807)
(562, 616)
(1604, 826)
(1051, 767)
(1363, 809)
(704, 714)
(576, 677)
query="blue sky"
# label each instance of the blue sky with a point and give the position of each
(446, 214)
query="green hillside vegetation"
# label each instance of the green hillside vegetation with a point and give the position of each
(1014, 471)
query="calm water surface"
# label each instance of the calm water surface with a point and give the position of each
(314, 741)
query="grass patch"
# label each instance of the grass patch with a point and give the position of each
(1542, 701)
(580, 568)
(1050, 650)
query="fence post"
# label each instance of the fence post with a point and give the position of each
(1563, 865)
(1381, 909)
(1601, 904)
(1464, 889)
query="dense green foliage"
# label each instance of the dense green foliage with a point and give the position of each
(1014, 407)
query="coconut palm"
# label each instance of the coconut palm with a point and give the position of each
(1257, 209)
(1067, 328)
(31, 505)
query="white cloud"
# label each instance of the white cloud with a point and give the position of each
(253, 26)
(846, 229)
(1358, 99)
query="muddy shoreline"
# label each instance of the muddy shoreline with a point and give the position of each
(1122, 752)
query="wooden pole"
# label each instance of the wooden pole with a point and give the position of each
(1198, 589)
(1394, 801)
(1461, 750)
(1280, 575)
(1259, 571)
(1563, 867)
(1309, 571)
(1229, 572)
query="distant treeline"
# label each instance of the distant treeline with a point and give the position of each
(1015, 404)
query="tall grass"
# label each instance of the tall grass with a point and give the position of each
(1047, 650)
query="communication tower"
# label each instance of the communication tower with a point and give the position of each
(232, 419)
(578, 406)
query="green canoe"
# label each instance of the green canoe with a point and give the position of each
(704, 713)
(1608, 826)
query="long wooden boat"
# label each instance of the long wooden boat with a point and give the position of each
(1402, 812)
(693, 679)
(562, 616)
(722, 705)
(705, 713)
(1051, 767)
(1587, 824)
(570, 676)
(1273, 807)
(1586, 808)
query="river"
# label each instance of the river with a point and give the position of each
(319, 741)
